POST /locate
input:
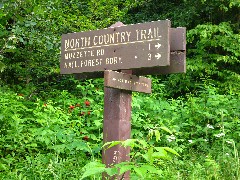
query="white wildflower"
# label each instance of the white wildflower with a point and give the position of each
(229, 142)
(220, 135)
(227, 154)
(210, 126)
(190, 141)
(12, 37)
(171, 138)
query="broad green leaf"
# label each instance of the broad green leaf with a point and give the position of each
(160, 155)
(32, 145)
(149, 155)
(111, 171)
(93, 168)
(111, 144)
(1, 117)
(171, 151)
(143, 143)
(93, 171)
(150, 168)
(98, 123)
(3, 167)
(140, 171)
(119, 165)
(145, 157)
(129, 142)
(166, 129)
(157, 134)
(126, 168)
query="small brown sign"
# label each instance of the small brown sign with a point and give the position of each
(115, 48)
(126, 81)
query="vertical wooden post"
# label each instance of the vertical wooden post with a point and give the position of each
(116, 126)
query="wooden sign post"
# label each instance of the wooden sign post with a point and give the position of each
(116, 124)
(116, 127)
(140, 49)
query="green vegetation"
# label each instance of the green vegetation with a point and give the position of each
(51, 124)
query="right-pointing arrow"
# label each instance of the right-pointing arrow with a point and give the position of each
(158, 55)
(158, 46)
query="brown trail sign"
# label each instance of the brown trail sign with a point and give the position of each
(116, 48)
(177, 58)
(140, 49)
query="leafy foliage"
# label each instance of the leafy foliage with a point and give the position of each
(44, 128)
(148, 168)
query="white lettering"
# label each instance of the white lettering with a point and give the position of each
(106, 38)
(117, 36)
(150, 35)
(87, 41)
(100, 52)
(128, 35)
(94, 40)
(143, 34)
(137, 33)
(100, 39)
(91, 63)
(72, 43)
(111, 38)
(77, 43)
(66, 44)
(112, 60)
(122, 36)
(66, 56)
